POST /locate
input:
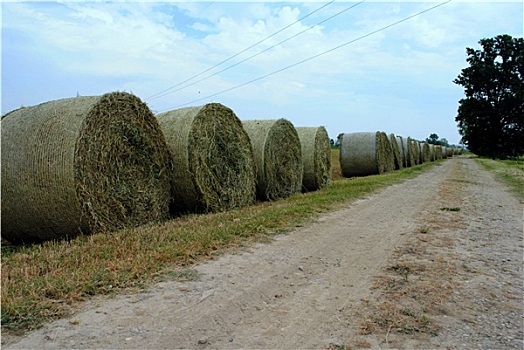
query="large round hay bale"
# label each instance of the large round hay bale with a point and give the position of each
(213, 161)
(278, 157)
(80, 165)
(316, 157)
(397, 157)
(365, 153)
(438, 152)
(400, 143)
(409, 152)
(416, 152)
(425, 151)
(432, 154)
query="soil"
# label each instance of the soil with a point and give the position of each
(327, 285)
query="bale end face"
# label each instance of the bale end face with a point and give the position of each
(82, 164)
(215, 169)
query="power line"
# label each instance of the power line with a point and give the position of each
(154, 96)
(311, 57)
(259, 53)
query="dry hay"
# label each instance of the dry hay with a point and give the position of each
(400, 143)
(397, 156)
(213, 161)
(445, 152)
(432, 154)
(365, 153)
(278, 157)
(416, 152)
(425, 151)
(80, 165)
(316, 157)
(409, 152)
(438, 152)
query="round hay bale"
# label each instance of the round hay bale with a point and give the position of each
(397, 157)
(278, 157)
(409, 152)
(365, 153)
(425, 151)
(431, 152)
(213, 161)
(438, 152)
(80, 165)
(400, 143)
(316, 157)
(416, 152)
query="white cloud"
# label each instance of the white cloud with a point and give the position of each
(147, 47)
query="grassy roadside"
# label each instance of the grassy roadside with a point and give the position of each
(509, 171)
(44, 282)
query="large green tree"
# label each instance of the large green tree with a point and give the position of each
(491, 116)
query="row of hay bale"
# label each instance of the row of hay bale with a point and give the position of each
(369, 153)
(88, 164)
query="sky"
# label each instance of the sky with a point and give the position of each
(348, 66)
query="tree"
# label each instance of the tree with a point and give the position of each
(491, 116)
(433, 139)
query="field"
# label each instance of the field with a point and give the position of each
(49, 281)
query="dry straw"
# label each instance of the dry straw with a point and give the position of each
(397, 156)
(416, 152)
(400, 143)
(80, 165)
(438, 152)
(425, 151)
(365, 153)
(409, 152)
(278, 157)
(316, 156)
(213, 161)
(431, 152)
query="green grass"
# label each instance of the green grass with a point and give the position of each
(510, 171)
(43, 282)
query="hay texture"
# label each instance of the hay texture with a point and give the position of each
(409, 155)
(432, 154)
(278, 157)
(400, 143)
(416, 152)
(425, 151)
(213, 161)
(397, 156)
(365, 153)
(80, 165)
(438, 152)
(316, 157)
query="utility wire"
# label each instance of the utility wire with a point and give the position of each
(154, 96)
(259, 53)
(312, 57)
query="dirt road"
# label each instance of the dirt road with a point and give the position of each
(314, 287)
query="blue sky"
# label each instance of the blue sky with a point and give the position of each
(396, 80)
